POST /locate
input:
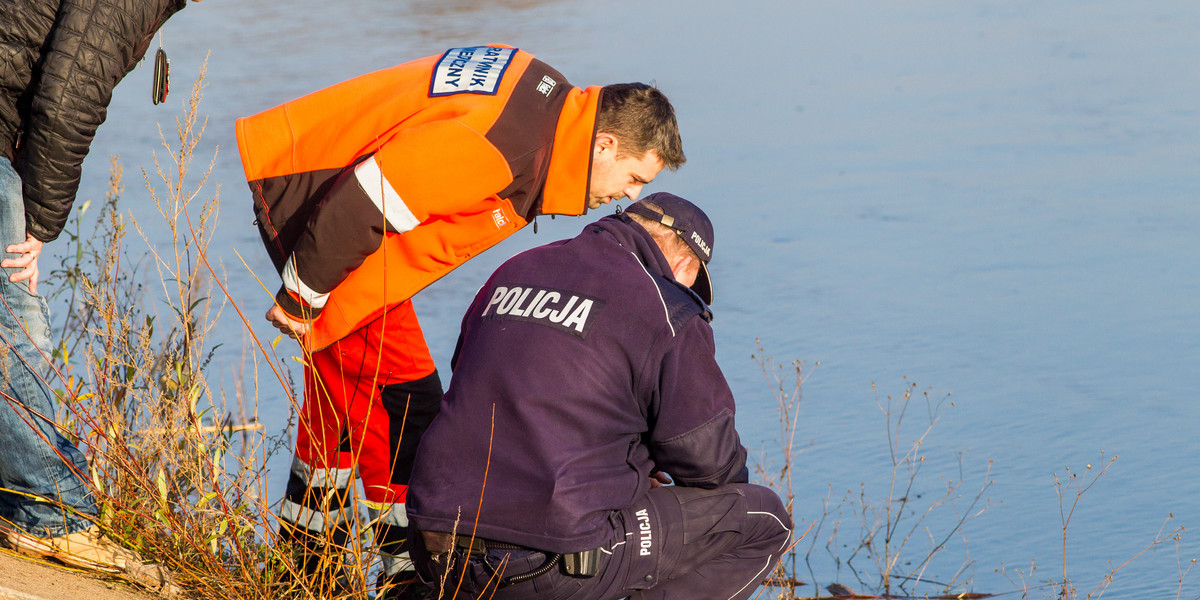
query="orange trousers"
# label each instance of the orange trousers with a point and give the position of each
(367, 400)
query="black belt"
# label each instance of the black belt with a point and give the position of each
(480, 545)
(577, 563)
(439, 542)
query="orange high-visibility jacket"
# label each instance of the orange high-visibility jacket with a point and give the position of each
(369, 190)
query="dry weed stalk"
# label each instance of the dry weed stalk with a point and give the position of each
(786, 385)
(887, 527)
(1074, 485)
(897, 520)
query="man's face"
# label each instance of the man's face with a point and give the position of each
(614, 178)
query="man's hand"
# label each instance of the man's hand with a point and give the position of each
(282, 321)
(659, 479)
(26, 262)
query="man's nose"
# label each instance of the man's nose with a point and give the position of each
(632, 192)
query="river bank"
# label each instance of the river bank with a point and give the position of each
(27, 579)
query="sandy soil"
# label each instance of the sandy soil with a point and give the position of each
(27, 579)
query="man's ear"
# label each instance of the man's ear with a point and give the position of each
(684, 267)
(605, 142)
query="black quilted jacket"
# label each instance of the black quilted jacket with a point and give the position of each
(59, 63)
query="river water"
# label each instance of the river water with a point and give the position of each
(991, 200)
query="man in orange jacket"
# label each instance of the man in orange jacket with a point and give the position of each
(368, 191)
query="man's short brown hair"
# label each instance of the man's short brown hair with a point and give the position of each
(642, 119)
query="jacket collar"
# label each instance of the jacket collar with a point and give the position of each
(570, 170)
(634, 238)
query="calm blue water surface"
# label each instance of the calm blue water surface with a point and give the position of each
(992, 200)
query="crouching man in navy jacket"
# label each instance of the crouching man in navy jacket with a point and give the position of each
(584, 380)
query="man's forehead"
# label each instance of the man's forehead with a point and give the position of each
(648, 166)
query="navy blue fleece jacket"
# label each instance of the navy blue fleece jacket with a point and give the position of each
(598, 369)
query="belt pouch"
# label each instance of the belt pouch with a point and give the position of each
(582, 564)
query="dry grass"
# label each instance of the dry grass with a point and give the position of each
(177, 465)
(178, 462)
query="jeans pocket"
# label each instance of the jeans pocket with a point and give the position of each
(25, 318)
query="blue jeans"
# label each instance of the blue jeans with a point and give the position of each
(40, 488)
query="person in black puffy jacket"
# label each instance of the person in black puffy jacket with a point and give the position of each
(59, 63)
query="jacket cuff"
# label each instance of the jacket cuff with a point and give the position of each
(294, 307)
(40, 233)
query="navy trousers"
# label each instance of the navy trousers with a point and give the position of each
(675, 542)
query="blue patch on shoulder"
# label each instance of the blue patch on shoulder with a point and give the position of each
(474, 70)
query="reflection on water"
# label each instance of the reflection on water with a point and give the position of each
(995, 199)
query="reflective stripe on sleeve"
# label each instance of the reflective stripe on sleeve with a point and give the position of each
(384, 196)
(291, 280)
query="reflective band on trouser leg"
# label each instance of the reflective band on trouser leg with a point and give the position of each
(316, 502)
(391, 531)
(320, 484)
(409, 393)
(315, 525)
(410, 407)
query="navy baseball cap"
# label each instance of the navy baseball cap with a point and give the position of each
(691, 224)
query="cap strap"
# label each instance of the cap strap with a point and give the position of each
(665, 219)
